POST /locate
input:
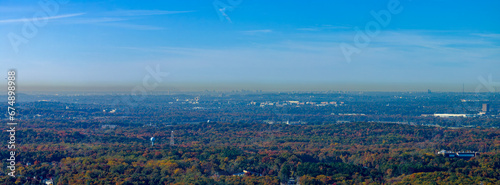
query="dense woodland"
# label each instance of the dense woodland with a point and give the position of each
(210, 153)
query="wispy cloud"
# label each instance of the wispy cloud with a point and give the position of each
(251, 32)
(143, 12)
(94, 20)
(308, 29)
(121, 18)
(132, 26)
(172, 50)
(111, 21)
(490, 35)
(324, 27)
(40, 18)
(431, 41)
(327, 26)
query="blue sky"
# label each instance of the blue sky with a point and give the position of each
(252, 44)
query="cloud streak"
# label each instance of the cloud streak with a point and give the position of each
(257, 31)
(133, 26)
(22, 20)
(121, 18)
(491, 35)
(143, 12)
(324, 27)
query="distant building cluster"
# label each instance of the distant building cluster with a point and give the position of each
(485, 109)
(110, 111)
(108, 126)
(450, 154)
(297, 103)
(451, 115)
(195, 100)
(247, 173)
(285, 122)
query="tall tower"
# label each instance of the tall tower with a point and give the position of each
(172, 138)
(486, 107)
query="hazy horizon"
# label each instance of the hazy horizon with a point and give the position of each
(196, 87)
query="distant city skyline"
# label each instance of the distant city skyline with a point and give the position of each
(255, 45)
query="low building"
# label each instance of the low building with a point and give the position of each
(454, 115)
(48, 181)
(291, 181)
